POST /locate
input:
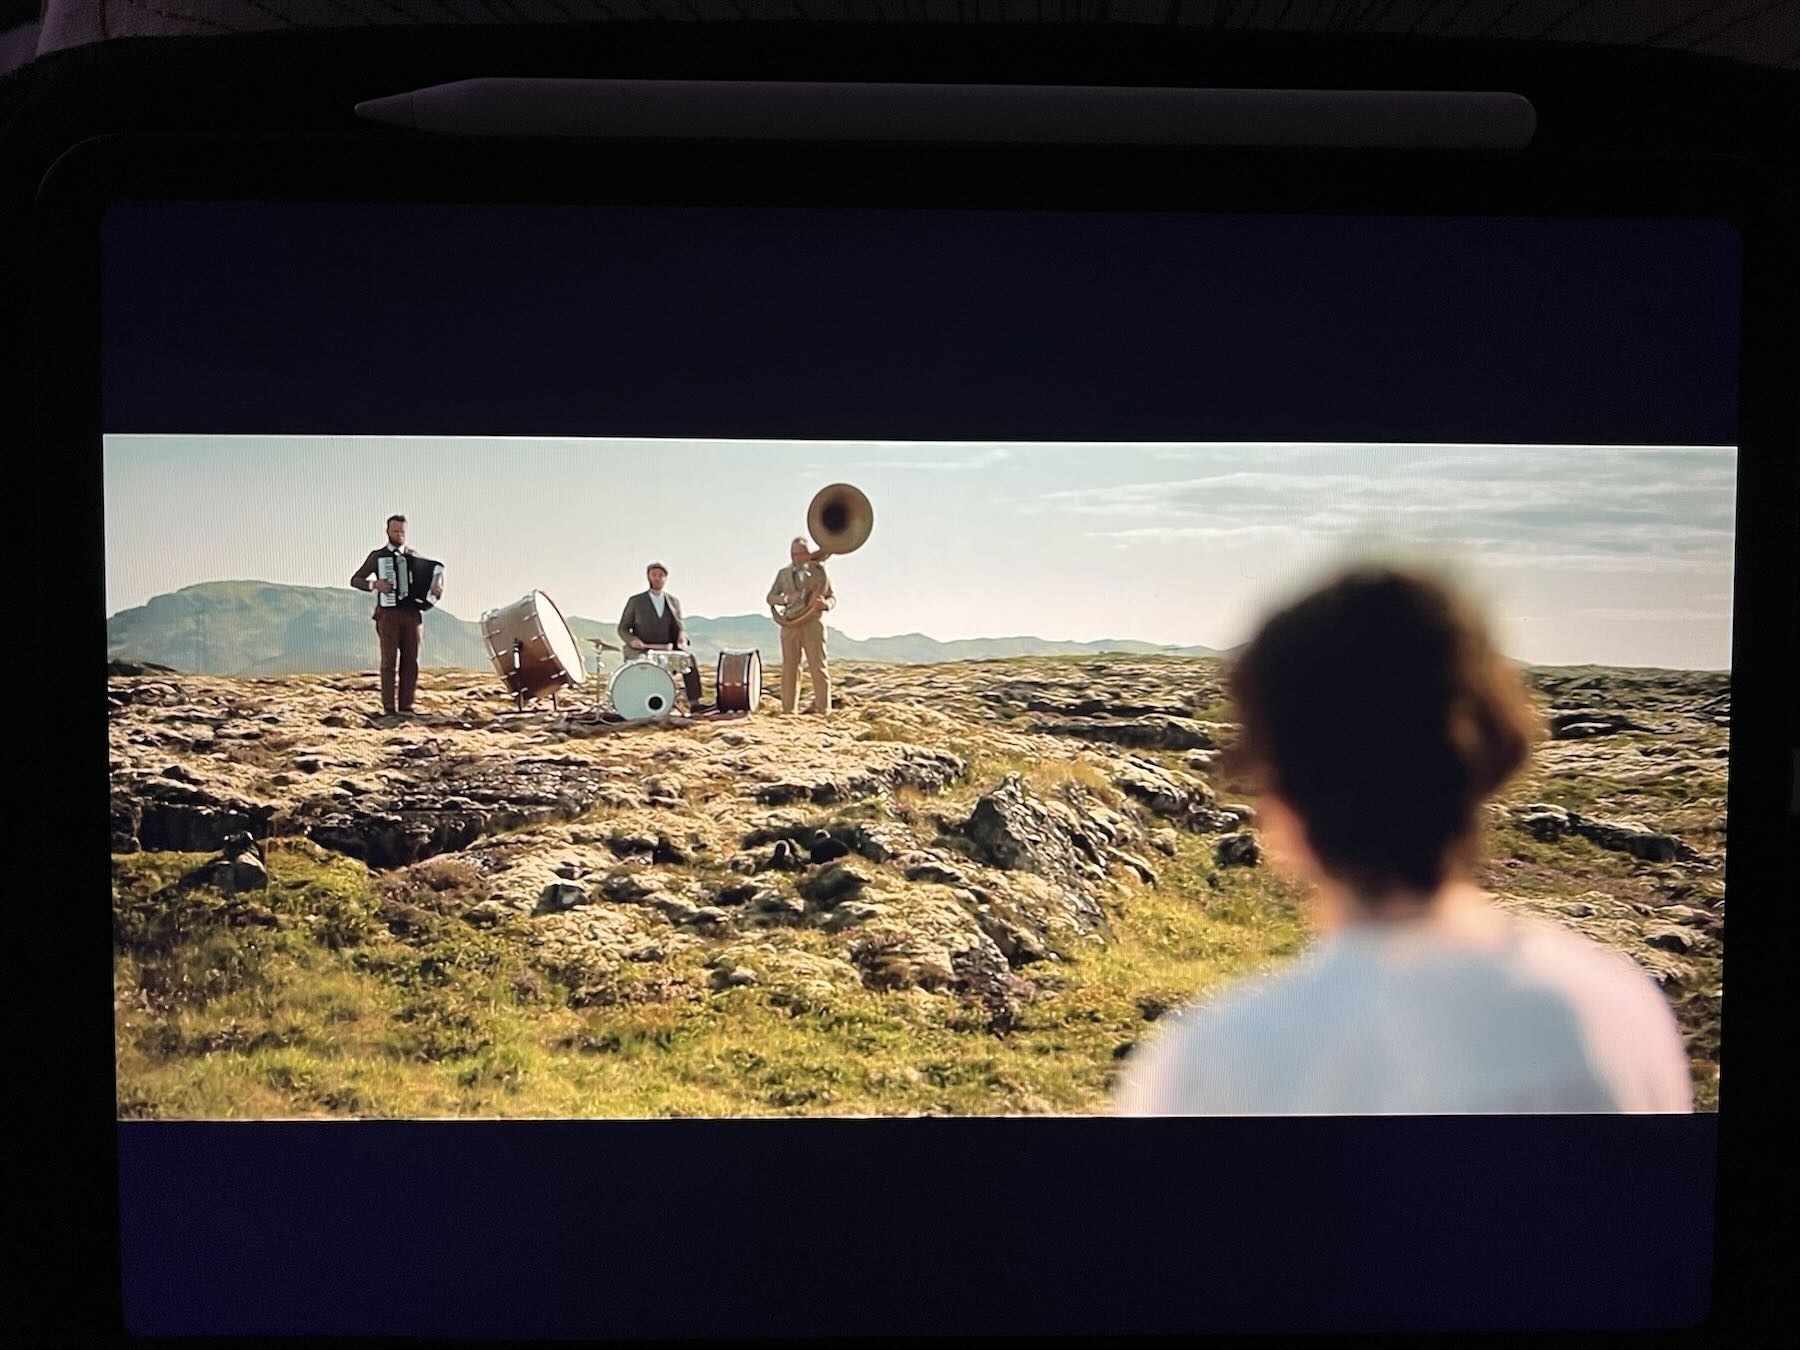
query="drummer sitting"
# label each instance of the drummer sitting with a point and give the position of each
(652, 621)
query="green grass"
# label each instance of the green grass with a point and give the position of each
(329, 995)
(1044, 776)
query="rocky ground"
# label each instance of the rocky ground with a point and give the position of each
(972, 879)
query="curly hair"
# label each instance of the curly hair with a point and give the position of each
(1379, 710)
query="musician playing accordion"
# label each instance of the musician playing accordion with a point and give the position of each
(405, 586)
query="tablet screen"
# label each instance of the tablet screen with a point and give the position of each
(821, 693)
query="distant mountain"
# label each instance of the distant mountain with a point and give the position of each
(917, 649)
(261, 628)
(264, 628)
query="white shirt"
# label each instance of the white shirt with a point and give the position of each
(1407, 1018)
(659, 601)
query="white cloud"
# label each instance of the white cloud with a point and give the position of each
(1231, 533)
(1628, 510)
(1649, 615)
(1610, 563)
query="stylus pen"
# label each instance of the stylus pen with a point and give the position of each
(1323, 118)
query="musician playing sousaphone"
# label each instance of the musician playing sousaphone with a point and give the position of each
(405, 586)
(799, 600)
(652, 622)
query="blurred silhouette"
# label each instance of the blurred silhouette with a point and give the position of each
(1376, 719)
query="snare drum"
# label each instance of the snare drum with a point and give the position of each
(739, 679)
(676, 661)
(642, 689)
(532, 647)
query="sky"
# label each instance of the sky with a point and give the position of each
(1603, 554)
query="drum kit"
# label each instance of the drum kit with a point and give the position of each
(535, 653)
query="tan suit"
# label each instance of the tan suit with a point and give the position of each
(793, 588)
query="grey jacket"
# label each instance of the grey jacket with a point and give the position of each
(640, 621)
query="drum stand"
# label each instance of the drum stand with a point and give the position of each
(518, 652)
(519, 695)
(600, 690)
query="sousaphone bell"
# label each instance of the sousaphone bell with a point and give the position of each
(840, 520)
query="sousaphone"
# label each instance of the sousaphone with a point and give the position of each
(839, 520)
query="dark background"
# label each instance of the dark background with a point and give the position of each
(1386, 1219)
(764, 322)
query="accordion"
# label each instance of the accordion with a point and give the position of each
(412, 578)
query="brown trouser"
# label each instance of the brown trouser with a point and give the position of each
(398, 630)
(808, 637)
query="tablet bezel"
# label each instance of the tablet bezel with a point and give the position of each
(399, 168)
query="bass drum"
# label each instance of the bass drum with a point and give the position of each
(642, 689)
(532, 648)
(739, 679)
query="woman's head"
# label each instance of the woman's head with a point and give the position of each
(1377, 717)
